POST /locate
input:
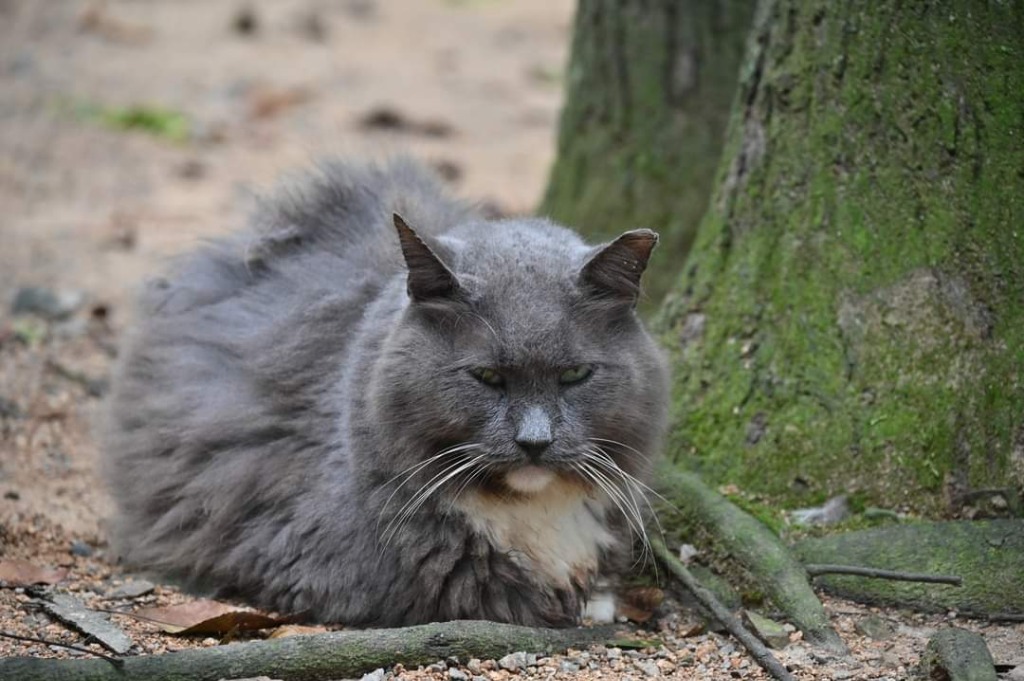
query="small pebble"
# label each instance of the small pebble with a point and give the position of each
(513, 662)
(568, 667)
(82, 549)
(132, 589)
(648, 668)
(437, 667)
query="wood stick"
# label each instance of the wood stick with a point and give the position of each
(116, 661)
(317, 657)
(758, 650)
(816, 569)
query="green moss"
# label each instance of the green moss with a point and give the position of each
(154, 120)
(862, 278)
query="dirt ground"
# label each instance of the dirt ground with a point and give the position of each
(131, 130)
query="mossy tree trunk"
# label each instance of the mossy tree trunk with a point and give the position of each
(650, 85)
(851, 316)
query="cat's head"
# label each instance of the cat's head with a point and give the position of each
(520, 361)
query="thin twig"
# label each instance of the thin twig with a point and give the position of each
(815, 570)
(1000, 616)
(116, 661)
(761, 654)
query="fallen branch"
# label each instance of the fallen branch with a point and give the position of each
(32, 639)
(815, 569)
(318, 657)
(758, 650)
(774, 569)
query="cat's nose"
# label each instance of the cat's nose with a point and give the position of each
(534, 432)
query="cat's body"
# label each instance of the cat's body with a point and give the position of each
(275, 426)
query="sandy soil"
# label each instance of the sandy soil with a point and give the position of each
(88, 210)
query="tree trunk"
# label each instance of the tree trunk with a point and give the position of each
(851, 317)
(649, 90)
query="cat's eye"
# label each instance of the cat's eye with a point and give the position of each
(488, 377)
(576, 374)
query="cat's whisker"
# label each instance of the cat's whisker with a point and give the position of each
(628, 510)
(425, 492)
(635, 484)
(479, 472)
(425, 495)
(644, 486)
(411, 471)
(629, 483)
(400, 514)
(614, 495)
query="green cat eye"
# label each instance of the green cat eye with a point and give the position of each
(575, 374)
(488, 376)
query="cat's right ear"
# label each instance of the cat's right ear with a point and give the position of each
(613, 273)
(429, 278)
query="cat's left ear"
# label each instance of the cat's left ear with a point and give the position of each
(614, 271)
(429, 277)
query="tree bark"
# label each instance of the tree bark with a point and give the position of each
(851, 316)
(648, 94)
(340, 654)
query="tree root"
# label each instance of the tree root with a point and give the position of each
(988, 554)
(776, 571)
(318, 657)
(758, 650)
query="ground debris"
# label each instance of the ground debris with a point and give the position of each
(96, 625)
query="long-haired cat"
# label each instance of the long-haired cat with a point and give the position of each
(375, 408)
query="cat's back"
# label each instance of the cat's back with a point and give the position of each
(220, 402)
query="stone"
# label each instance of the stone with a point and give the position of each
(874, 627)
(46, 303)
(957, 655)
(513, 662)
(457, 674)
(375, 675)
(648, 668)
(568, 667)
(773, 634)
(131, 589)
(81, 549)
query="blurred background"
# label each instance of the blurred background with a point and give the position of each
(130, 130)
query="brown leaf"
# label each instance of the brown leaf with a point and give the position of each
(206, 618)
(296, 630)
(638, 604)
(15, 573)
(267, 102)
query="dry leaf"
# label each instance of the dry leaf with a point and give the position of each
(267, 102)
(296, 630)
(206, 618)
(21, 573)
(638, 604)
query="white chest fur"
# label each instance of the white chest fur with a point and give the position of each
(558, 531)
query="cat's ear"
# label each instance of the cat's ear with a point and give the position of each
(429, 277)
(614, 271)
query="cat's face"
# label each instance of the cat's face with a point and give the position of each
(515, 369)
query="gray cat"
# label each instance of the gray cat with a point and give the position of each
(324, 419)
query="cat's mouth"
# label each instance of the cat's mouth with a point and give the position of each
(529, 479)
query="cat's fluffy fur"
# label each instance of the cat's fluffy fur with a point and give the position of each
(281, 386)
